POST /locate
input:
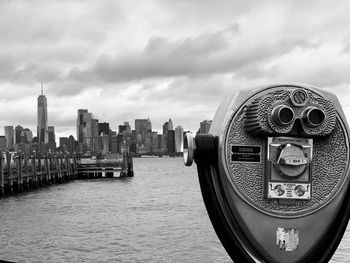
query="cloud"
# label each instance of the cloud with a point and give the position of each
(208, 53)
(160, 58)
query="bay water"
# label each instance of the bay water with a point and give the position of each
(156, 216)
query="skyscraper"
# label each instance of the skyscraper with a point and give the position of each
(81, 124)
(18, 133)
(128, 128)
(87, 131)
(42, 118)
(72, 144)
(103, 127)
(170, 125)
(94, 135)
(51, 144)
(3, 143)
(167, 126)
(64, 143)
(26, 136)
(142, 127)
(9, 134)
(170, 144)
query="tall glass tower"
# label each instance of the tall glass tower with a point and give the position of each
(42, 118)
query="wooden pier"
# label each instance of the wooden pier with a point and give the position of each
(106, 168)
(20, 172)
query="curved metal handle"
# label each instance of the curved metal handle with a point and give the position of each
(188, 149)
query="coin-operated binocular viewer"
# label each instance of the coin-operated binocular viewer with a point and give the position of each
(274, 173)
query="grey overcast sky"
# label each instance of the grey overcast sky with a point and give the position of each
(162, 59)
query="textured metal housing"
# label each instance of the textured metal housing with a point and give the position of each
(331, 152)
(259, 120)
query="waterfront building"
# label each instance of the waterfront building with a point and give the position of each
(204, 126)
(26, 136)
(63, 143)
(23, 147)
(113, 144)
(179, 136)
(164, 142)
(112, 133)
(142, 127)
(154, 141)
(81, 124)
(170, 125)
(72, 144)
(94, 135)
(128, 128)
(9, 134)
(42, 128)
(105, 143)
(51, 144)
(51, 134)
(171, 141)
(165, 127)
(122, 129)
(103, 127)
(159, 141)
(3, 143)
(18, 133)
(85, 127)
(148, 139)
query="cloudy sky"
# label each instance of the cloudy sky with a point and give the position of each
(162, 59)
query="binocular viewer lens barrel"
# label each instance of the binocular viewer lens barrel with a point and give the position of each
(313, 117)
(283, 115)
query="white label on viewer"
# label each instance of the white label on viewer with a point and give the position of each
(287, 239)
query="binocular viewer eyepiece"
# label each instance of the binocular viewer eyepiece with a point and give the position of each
(274, 173)
(284, 115)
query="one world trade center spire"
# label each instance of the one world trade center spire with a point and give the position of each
(42, 118)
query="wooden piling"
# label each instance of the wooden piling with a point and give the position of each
(39, 175)
(130, 166)
(62, 168)
(26, 171)
(2, 180)
(35, 179)
(10, 178)
(47, 170)
(67, 167)
(19, 171)
(52, 174)
(124, 171)
(58, 167)
(75, 167)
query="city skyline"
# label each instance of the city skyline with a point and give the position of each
(43, 113)
(162, 59)
(95, 137)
